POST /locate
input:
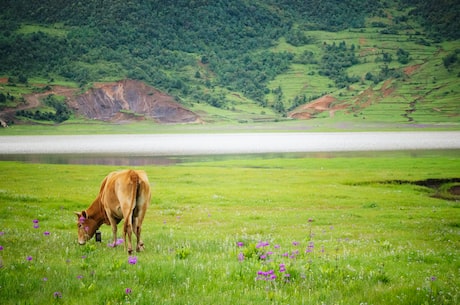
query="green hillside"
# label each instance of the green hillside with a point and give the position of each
(245, 61)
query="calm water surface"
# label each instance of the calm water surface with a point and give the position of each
(168, 149)
(126, 160)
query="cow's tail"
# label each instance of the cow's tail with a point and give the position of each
(134, 181)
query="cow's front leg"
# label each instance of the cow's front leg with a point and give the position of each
(113, 224)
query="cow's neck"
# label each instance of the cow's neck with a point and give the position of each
(97, 213)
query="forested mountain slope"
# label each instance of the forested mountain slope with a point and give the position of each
(243, 60)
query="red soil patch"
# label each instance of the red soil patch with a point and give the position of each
(411, 69)
(324, 103)
(387, 88)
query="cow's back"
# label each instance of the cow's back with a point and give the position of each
(125, 187)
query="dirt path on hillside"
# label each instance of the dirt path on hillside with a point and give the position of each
(32, 101)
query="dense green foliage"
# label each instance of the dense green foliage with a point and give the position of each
(334, 62)
(201, 51)
(142, 40)
(440, 17)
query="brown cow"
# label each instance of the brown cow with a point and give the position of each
(123, 195)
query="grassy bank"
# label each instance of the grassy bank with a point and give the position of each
(344, 230)
(149, 127)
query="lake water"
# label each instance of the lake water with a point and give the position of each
(127, 160)
(166, 149)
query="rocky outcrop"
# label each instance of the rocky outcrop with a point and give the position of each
(130, 100)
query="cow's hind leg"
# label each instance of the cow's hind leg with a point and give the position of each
(128, 230)
(137, 224)
(138, 219)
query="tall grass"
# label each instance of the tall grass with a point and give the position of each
(240, 231)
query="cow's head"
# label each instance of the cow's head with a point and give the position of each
(86, 227)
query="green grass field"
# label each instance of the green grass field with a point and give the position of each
(313, 230)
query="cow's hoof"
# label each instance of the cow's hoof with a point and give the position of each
(130, 251)
(140, 248)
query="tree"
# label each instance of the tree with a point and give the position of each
(22, 79)
(2, 98)
(204, 60)
(403, 56)
(387, 57)
(449, 60)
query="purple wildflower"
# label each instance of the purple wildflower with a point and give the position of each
(240, 244)
(1, 248)
(119, 241)
(282, 268)
(240, 257)
(36, 226)
(287, 276)
(262, 244)
(29, 258)
(266, 275)
(45, 279)
(46, 233)
(295, 243)
(57, 295)
(2, 233)
(79, 277)
(35, 221)
(132, 260)
(82, 219)
(433, 278)
(128, 290)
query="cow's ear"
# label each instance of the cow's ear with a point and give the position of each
(83, 213)
(78, 214)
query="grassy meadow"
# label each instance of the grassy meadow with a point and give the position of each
(312, 230)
